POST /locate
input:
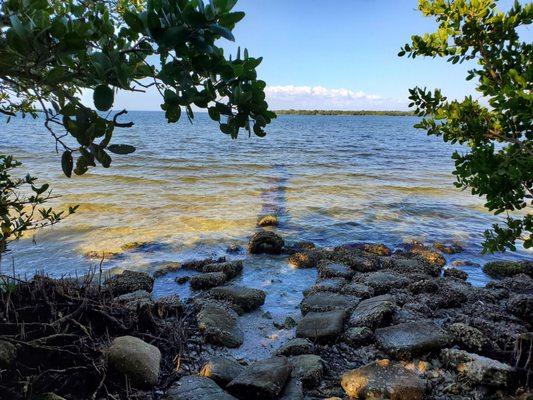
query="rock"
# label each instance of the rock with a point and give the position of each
(196, 388)
(465, 263)
(299, 247)
(180, 280)
(263, 379)
(246, 298)
(198, 265)
(207, 280)
(266, 242)
(378, 249)
(448, 249)
(166, 268)
(327, 269)
(455, 273)
(383, 281)
(383, 379)
(289, 323)
(308, 368)
(8, 354)
(306, 259)
(334, 285)
(521, 305)
(136, 359)
(358, 289)
(267, 220)
(373, 312)
(168, 306)
(295, 347)
(324, 301)
(135, 299)
(323, 326)
(230, 269)
(468, 337)
(293, 390)
(411, 339)
(408, 266)
(221, 370)
(129, 281)
(356, 259)
(48, 396)
(220, 326)
(502, 269)
(417, 249)
(234, 249)
(423, 286)
(520, 283)
(358, 336)
(477, 369)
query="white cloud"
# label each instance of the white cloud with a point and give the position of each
(319, 97)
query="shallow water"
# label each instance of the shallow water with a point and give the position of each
(192, 191)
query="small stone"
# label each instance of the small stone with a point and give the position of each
(469, 337)
(464, 263)
(230, 269)
(168, 306)
(412, 339)
(306, 259)
(8, 354)
(295, 347)
(383, 379)
(358, 336)
(129, 281)
(220, 325)
(136, 359)
(135, 299)
(182, 279)
(478, 369)
(196, 388)
(234, 248)
(247, 299)
(448, 249)
(289, 323)
(373, 312)
(207, 280)
(221, 370)
(323, 326)
(265, 242)
(324, 301)
(455, 273)
(334, 270)
(267, 220)
(263, 379)
(308, 368)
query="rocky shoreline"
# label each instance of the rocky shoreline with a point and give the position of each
(377, 323)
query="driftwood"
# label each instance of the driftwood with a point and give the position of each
(61, 330)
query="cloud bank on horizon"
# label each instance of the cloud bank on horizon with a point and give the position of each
(319, 97)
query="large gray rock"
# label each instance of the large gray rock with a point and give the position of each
(323, 326)
(263, 379)
(208, 280)
(8, 354)
(231, 269)
(501, 269)
(358, 289)
(293, 390)
(328, 269)
(324, 301)
(222, 370)
(334, 285)
(477, 369)
(129, 281)
(295, 347)
(308, 368)
(358, 335)
(137, 360)
(373, 312)
(196, 388)
(411, 339)
(247, 299)
(383, 379)
(383, 281)
(266, 242)
(135, 299)
(220, 325)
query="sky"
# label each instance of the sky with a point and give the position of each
(342, 54)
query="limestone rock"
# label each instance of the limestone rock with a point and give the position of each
(383, 281)
(411, 339)
(383, 379)
(247, 299)
(455, 273)
(263, 379)
(267, 220)
(502, 269)
(222, 370)
(323, 326)
(308, 368)
(304, 259)
(378, 249)
(357, 336)
(324, 301)
(358, 289)
(469, 337)
(373, 312)
(266, 242)
(220, 325)
(295, 347)
(196, 388)
(334, 285)
(207, 280)
(328, 269)
(230, 269)
(136, 359)
(129, 281)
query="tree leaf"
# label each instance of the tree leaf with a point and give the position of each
(121, 148)
(67, 163)
(103, 97)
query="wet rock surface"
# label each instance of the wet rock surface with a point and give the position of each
(246, 298)
(222, 370)
(373, 312)
(129, 281)
(321, 326)
(220, 325)
(196, 388)
(266, 242)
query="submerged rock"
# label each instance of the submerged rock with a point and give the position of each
(308, 368)
(412, 339)
(324, 301)
(266, 242)
(321, 326)
(129, 281)
(247, 299)
(502, 269)
(136, 359)
(207, 280)
(373, 312)
(220, 325)
(263, 379)
(295, 347)
(196, 388)
(383, 379)
(477, 369)
(268, 220)
(222, 370)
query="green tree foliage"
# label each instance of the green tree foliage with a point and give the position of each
(22, 204)
(52, 50)
(499, 161)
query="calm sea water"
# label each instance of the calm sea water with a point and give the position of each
(192, 191)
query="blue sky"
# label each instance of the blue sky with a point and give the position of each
(338, 54)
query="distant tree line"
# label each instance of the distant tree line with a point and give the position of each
(345, 112)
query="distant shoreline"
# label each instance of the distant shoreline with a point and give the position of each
(344, 112)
